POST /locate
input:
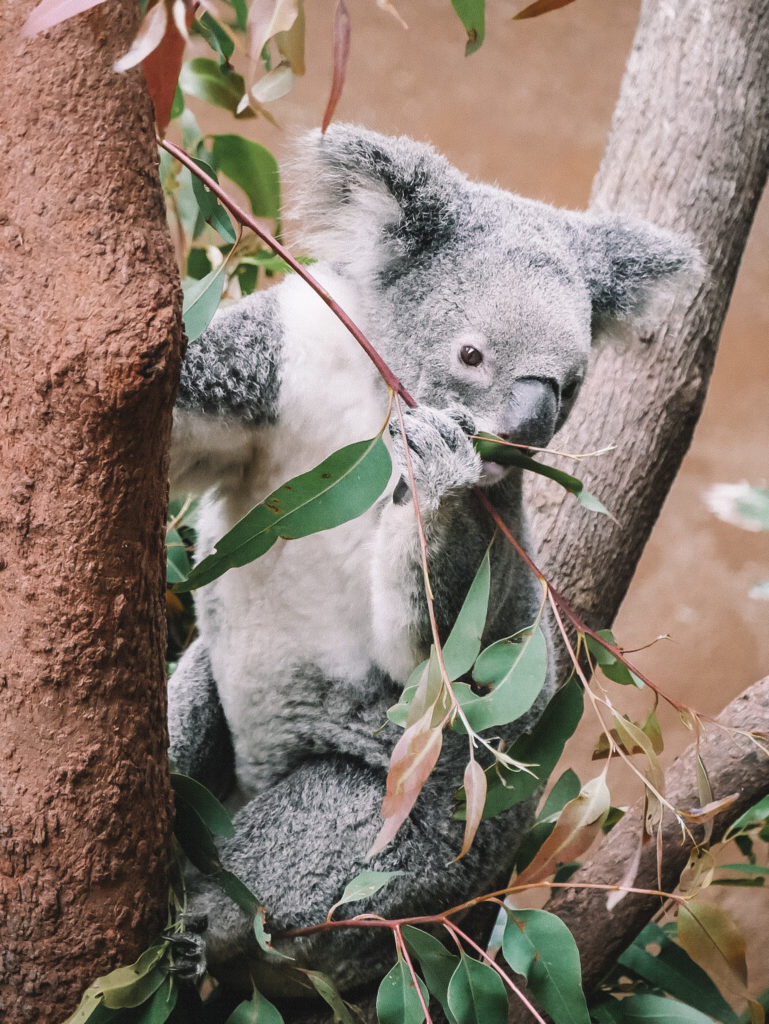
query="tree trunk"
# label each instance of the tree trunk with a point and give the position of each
(689, 150)
(90, 344)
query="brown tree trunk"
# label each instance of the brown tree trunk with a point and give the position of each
(90, 344)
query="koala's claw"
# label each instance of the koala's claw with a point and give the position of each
(442, 455)
(188, 950)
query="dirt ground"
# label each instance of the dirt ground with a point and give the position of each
(531, 111)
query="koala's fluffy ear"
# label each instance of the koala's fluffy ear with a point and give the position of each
(633, 269)
(370, 202)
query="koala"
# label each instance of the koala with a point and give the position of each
(486, 305)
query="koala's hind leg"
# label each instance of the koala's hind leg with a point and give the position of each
(200, 741)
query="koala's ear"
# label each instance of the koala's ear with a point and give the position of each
(633, 269)
(371, 202)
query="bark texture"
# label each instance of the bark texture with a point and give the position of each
(90, 345)
(689, 150)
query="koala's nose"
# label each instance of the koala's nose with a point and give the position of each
(531, 413)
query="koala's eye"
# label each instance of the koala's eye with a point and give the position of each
(470, 355)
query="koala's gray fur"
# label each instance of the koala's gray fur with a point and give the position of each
(301, 653)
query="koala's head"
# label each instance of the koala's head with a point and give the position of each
(472, 294)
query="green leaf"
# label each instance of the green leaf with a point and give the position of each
(464, 642)
(566, 788)
(208, 81)
(341, 488)
(195, 837)
(747, 869)
(254, 169)
(201, 300)
(438, 965)
(651, 1009)
(257, 1010)
(493, 449)
(328, 991)
(539, 946)
(541, 748)
(611, 666)
(177, 105)
(397, 1001)
(90, 1003)
(238, 892)
(215, 815)
(161, 1006)
(472, 15)
(198, 263)
(673, 970)
(211, 210)
(218, 39)
(177, 560)
(364, 885)
(130, 986)
(517, 669)
(476, 993)
(754, 816)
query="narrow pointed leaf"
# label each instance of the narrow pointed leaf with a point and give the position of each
(541, 7)
(363, 886)
(148, 38)
(609, 664)
(650, 1009)
(342, 35)
(341, 488)
(464, 641)
(213, 813)
(476, 993)
(161, 68)
(265, 19)
(161, 1005)
(713, 940)
(475, 799)
(328, 991)
(539, 946)
(413, 759)
(127, 987)
(291, 42)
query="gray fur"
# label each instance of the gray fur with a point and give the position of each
(311, 644)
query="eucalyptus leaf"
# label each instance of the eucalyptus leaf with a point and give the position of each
(476, 993)
(364, 885)
(516, 668)
(436, 962)
(257, 1010)
(254, 169)
(397, 1001)
(646, 1008)
(493, 449)
(161, 1005)
(195, 837)
(328, 991)
(472, 15)
(214, 814)
(201, 301)
(341, 488)
(672, 970)
(218, 38)
(464, 641)
(609, 664)
(178, 564)
(539, 946)
(208, 81)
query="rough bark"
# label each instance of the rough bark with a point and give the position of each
(90, 347)
(689, 150)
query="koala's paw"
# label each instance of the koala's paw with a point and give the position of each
(188, 950)
(442, 455)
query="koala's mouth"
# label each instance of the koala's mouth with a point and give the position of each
(492, 473)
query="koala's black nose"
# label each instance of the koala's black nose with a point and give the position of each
(531, 413)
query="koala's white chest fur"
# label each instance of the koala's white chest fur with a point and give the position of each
(306, 604)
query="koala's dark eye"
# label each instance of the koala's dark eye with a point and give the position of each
(470, 355)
